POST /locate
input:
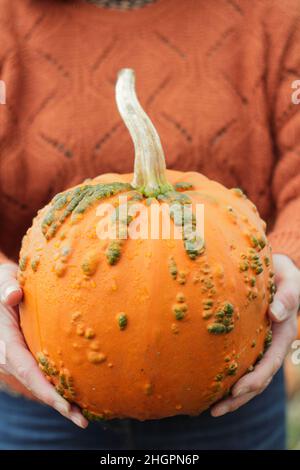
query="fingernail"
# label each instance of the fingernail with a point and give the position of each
(240, 391)
(221, 410)
(61, 408)
(9, 290)
(79, 421)
(278, 310)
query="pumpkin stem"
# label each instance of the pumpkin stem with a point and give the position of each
(149, 165)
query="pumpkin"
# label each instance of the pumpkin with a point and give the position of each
(145, 327)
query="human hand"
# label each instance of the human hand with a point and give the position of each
(283, 313)
(19, 361)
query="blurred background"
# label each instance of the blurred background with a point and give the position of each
(292, 373)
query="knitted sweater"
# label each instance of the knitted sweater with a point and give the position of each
(215, 78)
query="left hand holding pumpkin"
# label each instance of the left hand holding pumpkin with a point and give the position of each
(283, 312)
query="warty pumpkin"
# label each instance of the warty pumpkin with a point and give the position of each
(146, 328)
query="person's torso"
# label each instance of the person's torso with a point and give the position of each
(200, 74)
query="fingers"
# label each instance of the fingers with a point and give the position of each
(77, 417)
(10, 290)
(231, 404)
(25, 369)
(286, 300)
(283, 335)
(19, 361)
(256, 382)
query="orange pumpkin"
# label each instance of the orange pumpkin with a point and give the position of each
(146, 328)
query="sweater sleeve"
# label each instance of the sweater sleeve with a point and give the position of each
(8, 88)
(285, 116)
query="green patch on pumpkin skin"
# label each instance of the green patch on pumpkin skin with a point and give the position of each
(113, 252)
(219, 377)
(77, 201)
(239, 192)
(179, 312)
(35, 263)
(223, 320)
(232, 369)
(122, 321)
(23, 263)
(172, 267)
(268, 340)
(260, 356)
(92, 416)
(183, 186)
(194, 246)
(150, 200)
(216, 328)
(47, 367)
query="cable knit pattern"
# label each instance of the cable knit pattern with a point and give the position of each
(215, 77)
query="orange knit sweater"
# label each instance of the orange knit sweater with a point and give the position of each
(215, 77)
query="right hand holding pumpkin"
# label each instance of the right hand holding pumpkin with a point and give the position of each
(19, 361)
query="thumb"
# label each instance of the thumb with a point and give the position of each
(10, 290)
(286, 300)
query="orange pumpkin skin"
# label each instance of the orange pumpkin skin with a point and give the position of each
(157, 365)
